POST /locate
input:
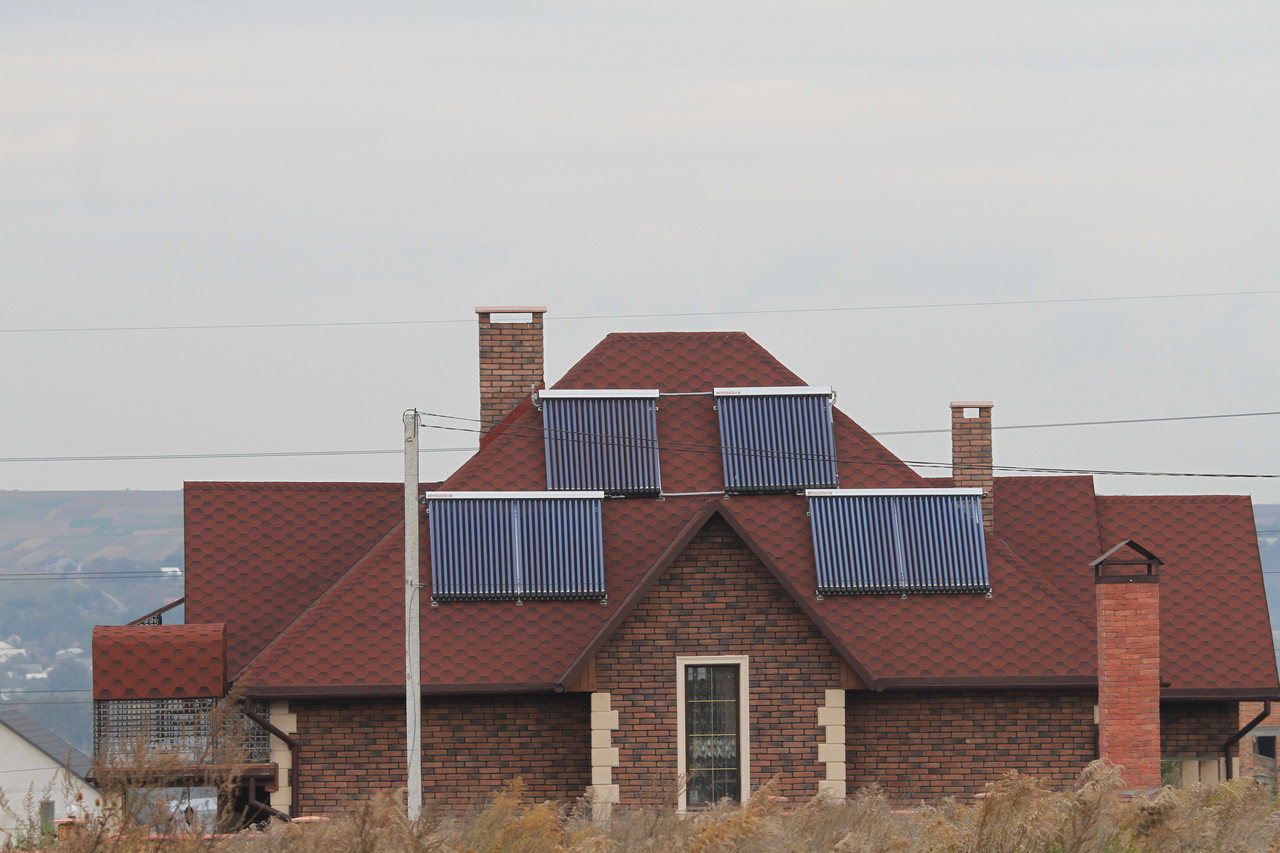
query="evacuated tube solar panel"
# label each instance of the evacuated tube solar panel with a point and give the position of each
(892, 543)
(515, 547)
(604, 443)
(776, 442)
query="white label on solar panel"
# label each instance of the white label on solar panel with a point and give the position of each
(776, 391)
(868, 493)
(507, 495)
(600, 394)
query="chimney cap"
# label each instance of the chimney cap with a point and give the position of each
(972, 405)
(511, 309)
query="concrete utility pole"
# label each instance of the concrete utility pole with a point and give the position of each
(412, 612)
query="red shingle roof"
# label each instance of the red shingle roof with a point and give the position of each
(159, 661)
(311, 577)
(257, 554)
(1213, 611)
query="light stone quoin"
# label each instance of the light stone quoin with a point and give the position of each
(603, 794)
(832, 752)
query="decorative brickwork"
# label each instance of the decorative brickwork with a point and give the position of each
(971, 454)
(924, 746)
(717, 599)
(510, 362)
(1129, 679)
(470, 747)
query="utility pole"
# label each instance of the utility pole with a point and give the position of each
(412, 613)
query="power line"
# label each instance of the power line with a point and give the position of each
(1092, 423)
(655, 315)
(685, 447)
(675, 447)
(268, 454)
(101, 576)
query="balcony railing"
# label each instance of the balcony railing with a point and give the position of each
(192, 731)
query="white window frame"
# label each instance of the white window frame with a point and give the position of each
(744, 721)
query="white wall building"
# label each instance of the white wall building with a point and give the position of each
(34, 759)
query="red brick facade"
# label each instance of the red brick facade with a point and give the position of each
(924, 746)
(717, 598)
(470, 747)
(510, 363)
(1129, 679)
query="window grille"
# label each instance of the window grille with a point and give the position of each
(602, 440)
(776, 439)
(515, 545)
(194, 730)
(898, 540)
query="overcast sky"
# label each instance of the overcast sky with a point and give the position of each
(230, 164)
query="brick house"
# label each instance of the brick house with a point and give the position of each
(681, 562)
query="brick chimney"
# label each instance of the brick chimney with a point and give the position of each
(510, 359)
(971, 453)
(1127, 584)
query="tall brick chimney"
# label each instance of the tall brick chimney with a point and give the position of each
(971, 453)
(510, 359)
(1127, 583)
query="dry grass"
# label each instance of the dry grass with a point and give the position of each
(1017, 815)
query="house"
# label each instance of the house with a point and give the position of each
(680, 572)
(36, 763)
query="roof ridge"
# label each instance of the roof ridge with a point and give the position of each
(75, 760)
(285, 485)
(1175, 498)
(1018, 560)
(318, 599)
(842, 648)
(689, 336)
(669, 554)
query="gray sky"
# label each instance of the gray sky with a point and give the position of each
(322, 163)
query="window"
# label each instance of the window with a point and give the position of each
(515, 545)
(713, 729)
(776, 439)
(605, 440)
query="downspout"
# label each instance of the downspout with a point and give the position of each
(1226, 747)
(253, 802)
(295, 750)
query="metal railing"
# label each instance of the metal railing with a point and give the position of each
(195, 731)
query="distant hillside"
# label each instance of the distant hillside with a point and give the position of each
(43, 528)
(69, 561)
(1267, 518)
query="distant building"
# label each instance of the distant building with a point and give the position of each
(8, 651)
(34, 760)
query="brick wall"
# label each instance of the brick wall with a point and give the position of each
(510, 363)
(1256, 766)
(717, 599)
(971, 454)
(924, 746)
(1196, 729)
(1129, 679)
(470, 747)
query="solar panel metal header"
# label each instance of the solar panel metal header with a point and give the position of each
(602, 439)
(779, 439)
(515, 545)
(893, 541)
